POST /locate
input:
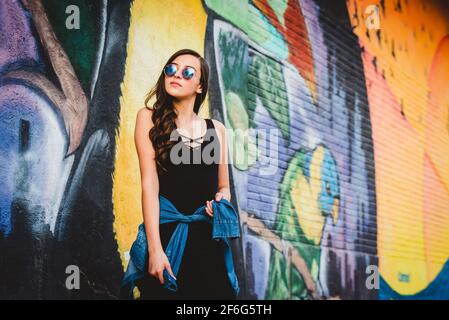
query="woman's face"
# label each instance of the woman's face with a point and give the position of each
(186, 88)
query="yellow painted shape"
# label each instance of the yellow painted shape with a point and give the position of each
(399, 153)
(305, 194)
(410, 153)
(436, 165)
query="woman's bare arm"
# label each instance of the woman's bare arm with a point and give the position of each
(223, 171)
(149, 178)
(157, 259)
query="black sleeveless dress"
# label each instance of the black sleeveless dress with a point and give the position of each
(202, 273)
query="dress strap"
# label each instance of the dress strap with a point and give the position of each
(210, 124)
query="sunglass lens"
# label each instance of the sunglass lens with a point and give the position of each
(188, 73)
(170, 70)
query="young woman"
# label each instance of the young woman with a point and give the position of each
(169, 129)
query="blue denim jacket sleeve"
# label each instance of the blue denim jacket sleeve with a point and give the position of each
(225, 220)
(225, 225)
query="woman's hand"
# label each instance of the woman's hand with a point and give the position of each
(157, 263)
(209, 209)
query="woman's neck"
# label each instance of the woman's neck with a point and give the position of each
(186, 117)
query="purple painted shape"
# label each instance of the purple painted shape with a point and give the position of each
(18, 48)
(16, 39)
(29, 176)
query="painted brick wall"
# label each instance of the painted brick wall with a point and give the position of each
(340, 172)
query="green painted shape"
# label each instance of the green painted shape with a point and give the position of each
(288, 228)
(250, 20)
(245, 152)
(233, 63)
(235, 11)
(279, 7)
(79, 44)
(266, 82)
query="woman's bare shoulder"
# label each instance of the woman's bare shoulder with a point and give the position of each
(144, 114)
(145, 110)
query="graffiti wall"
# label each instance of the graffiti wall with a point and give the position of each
(406, 77)
(339, 170)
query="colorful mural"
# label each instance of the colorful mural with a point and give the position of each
(406, 78)
(58, 123)
(339, 162)
(295, 205)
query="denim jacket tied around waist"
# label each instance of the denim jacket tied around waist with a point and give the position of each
(225, 225)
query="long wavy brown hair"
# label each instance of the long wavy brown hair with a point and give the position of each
(164, 114)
